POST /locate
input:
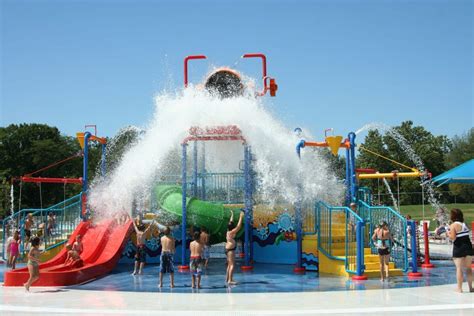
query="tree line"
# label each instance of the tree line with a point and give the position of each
(25, 148)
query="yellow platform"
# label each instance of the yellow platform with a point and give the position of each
(338, 246)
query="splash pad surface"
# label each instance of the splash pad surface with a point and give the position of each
(266, 278)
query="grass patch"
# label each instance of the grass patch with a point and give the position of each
(416, 211)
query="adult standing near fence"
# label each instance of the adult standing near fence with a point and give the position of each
(462, 248)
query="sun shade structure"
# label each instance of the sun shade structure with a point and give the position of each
(463, 173)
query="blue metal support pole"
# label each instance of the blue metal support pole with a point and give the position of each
(85, 163)
(251, 179)
(183, 218)
(248, 206)
(203, 172)
(352, 137)
(360, 248)
(195, 169)
(299, 227)
(102, 163)
(348, 177)
(85, 172)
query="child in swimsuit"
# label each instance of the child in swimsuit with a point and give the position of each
(13, 247)
(77, 246)
(73, 258)
(196, 260)
(166, 258)
(206, 251)
(33, 262)
(140, 256)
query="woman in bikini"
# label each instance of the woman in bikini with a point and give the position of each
(230, 246)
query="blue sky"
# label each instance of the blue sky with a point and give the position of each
(338, 64)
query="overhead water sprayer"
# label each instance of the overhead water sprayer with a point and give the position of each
(227, 82)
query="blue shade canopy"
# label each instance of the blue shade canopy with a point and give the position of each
(463, 173)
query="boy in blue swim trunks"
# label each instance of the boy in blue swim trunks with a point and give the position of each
(166, 259)
(196, 260)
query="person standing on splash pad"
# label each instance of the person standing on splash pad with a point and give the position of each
(383, 240)
(204, 239)
(140, 256)
(230, 246)
(166, 258)
(33, 262)
(462, 248)
(196, 260)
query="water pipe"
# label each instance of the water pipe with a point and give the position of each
(186, 59)
(427, 263)
(414, 261)
(300, 145)
(264, 61)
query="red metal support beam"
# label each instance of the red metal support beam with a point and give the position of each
(186, 59)
(51, 180)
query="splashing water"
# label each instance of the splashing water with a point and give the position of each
(389, 189)
(432, 195)
(12, 201)
(277, 166)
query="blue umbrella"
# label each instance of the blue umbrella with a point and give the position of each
(463, 173)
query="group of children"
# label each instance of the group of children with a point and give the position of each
(199, 258)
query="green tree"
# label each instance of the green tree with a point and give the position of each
(429, 148)
(462, 150)
(26, 148)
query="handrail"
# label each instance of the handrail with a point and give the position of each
(398, 227)
(18, 219)
(353, 235)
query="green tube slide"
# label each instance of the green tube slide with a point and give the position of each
(212, 216)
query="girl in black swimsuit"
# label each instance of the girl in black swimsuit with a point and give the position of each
(462, 248)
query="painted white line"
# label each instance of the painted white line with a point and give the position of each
(357, 310)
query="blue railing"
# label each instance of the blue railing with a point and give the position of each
(67, 216)
(225, 187)
(221, 187)
(373, 216)
(341, 236)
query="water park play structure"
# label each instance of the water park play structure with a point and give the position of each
(312, 236)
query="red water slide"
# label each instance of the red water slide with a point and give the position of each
(103, 245)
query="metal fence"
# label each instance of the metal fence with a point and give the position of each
(340, 236)
(373, 216)
(64, 218)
